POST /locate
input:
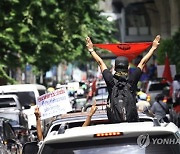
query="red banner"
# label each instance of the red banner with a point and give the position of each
(129, 50)
(167, 70)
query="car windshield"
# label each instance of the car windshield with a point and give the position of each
(25, 98)
(112, 146)
(7, 102)
(158, 86)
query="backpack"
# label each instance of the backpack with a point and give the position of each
(122, 107)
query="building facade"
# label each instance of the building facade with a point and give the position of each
(142, 20)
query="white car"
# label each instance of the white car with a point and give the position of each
(27, 94)
(131, 138)
(152, 88)
(11, 109)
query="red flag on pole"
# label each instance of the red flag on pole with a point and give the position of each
(167, 70)
(129, 50)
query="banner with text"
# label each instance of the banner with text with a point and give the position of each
(54, 103)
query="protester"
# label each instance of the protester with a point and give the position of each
(142, 102)
(121, 68)
(38, 124)
(176, 89)
(38, 120)
(159, 109)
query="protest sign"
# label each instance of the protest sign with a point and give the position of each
(54, 103)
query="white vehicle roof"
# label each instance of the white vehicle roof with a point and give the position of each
(77, 119)
(21, 87)
(127, 129)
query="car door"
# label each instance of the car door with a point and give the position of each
(13, 144)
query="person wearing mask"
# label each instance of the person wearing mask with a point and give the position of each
(121, 74)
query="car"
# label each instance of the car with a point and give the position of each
(71, 120)
(135, 137)
(78, 103)
(152, 88)
(101, 95)
(10, 108)
(27, 94)
(9, 143)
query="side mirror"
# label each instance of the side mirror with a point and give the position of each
(30, 148)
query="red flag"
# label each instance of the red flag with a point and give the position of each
(167, 70)
(129, 50)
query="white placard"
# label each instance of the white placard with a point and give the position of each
(54, 103)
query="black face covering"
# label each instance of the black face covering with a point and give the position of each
(121, 75)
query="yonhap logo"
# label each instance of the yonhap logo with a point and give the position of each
(143, 140)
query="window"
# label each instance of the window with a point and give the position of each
(25, 98)
(7, 102)
(8, 131)
(111, 146)
(157, 86)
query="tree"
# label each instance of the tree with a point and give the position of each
(172, 47)
(42, 33)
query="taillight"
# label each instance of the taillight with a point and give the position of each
(108, 134)
(148, 98)
(165, 100)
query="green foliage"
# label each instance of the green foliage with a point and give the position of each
(176, 51)
(45, 32)
(172, 47)
(166, 46)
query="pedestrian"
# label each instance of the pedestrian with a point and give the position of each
(121, 71)
(142, 102)
(159, 108)
(176, 89)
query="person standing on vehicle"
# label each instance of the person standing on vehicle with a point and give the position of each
(121, 68)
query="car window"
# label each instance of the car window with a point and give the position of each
(111, 146)
(8, 131)
(102, 90)
(25, 98)
(41, 92)
(7, 102)
(157, 86)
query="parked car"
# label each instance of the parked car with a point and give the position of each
(10, 108)
(27, 94)
(9, 143)
(136, 138)
(152, 88)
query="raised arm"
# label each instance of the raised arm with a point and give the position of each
(98, 59)
(146, 58)
(38, 124)
(89, 116)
